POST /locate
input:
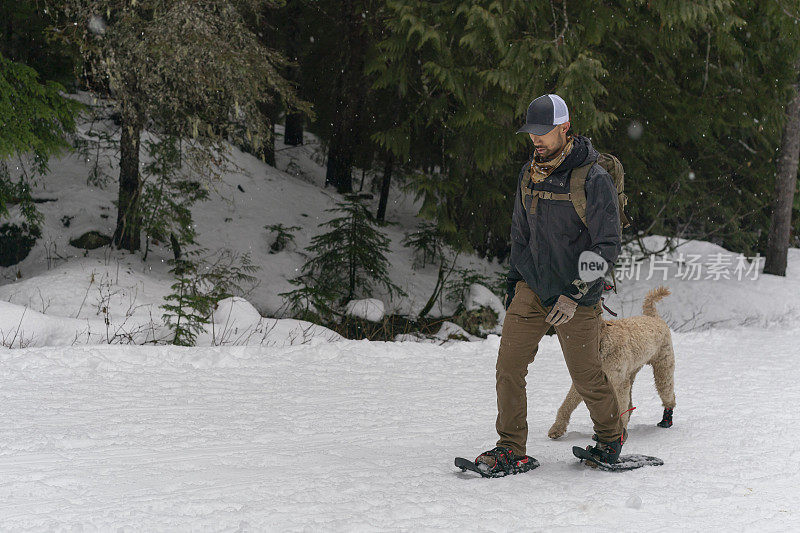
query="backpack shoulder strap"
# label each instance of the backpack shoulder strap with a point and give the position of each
(577, 189)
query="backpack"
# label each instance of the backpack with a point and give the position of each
(577, 191)
(614, 168)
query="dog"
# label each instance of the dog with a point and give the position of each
(626, 345)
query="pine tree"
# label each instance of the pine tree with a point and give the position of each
(190, 69)
(449, 65)
(24, 39)
(332, 40)
(348, 261)
(36, 120)
(683, 92)
(200, 282)
(427, 244)
(168, 194)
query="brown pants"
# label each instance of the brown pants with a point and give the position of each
(523, 328)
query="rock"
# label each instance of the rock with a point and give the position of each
(16, 242)
(90, 240)
(368, 309)
(236, 313)
(451, 331)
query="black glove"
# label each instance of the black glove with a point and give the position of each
(576, 290)
(511, 285)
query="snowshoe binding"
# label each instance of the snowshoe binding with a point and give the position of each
(606, 456)
(498, 462)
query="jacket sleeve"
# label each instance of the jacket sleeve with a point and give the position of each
(520, 231)
(602, 217)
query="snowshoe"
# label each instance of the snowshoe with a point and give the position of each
(623, 463)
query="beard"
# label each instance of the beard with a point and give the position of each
(550, 154)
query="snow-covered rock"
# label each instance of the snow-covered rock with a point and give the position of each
(449, 328)
(480, 296)
(235, 312)
(412, 337)
(369, 309)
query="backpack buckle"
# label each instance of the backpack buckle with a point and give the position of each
(549, 195)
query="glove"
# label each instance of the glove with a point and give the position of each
(577, 289)
(510, 290)
(562, 311)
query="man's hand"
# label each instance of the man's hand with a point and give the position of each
(562, 311)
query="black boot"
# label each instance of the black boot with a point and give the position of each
(608, 452)
(501, 461)
(666, 421)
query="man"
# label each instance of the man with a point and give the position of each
(544, 287)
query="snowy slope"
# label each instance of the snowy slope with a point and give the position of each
(361, 436)
(242, 203)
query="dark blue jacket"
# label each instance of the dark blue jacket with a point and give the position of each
(545, 246)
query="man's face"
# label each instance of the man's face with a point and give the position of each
(551, 142)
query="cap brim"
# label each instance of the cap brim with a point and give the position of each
(537, 129)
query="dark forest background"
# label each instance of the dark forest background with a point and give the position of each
(698, 99)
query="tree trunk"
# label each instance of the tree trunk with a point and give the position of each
(272, 112)
(269, 146)
(350, 92)
(340, 163)
(437, 289)
(785, 184)
(129, 219)
(388, 166)
(293, 134)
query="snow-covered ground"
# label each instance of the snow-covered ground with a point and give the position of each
(359, 435)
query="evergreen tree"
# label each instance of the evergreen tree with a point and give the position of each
(694, 89)
(778, 240)
(188, 308)
(36, 120)
(24, 39)
(683, 92)
(458, 99)
(189, 69)
(168, 194)
(348, 262)
(332, 40)
(200, 282)
(36, 117)
(429, 246)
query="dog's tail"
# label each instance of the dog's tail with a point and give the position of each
(653, 296)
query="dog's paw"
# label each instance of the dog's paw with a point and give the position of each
(667, 420)
(556, 431)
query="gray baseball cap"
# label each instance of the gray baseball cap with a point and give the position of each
(544, 114)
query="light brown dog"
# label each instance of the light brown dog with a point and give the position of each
(626, 345)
